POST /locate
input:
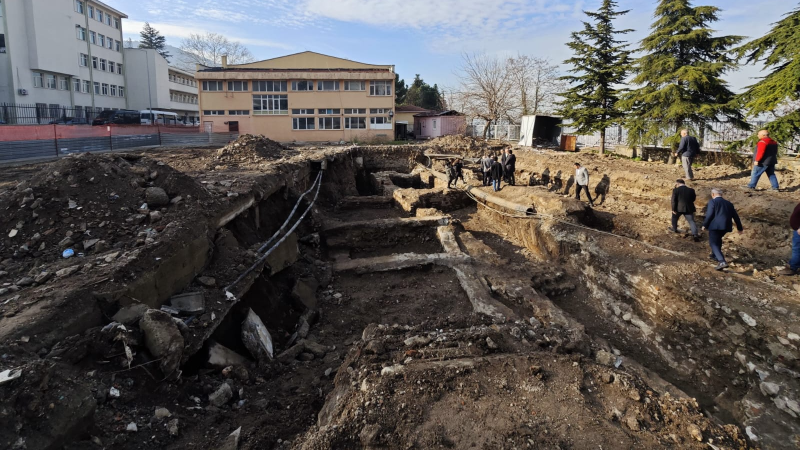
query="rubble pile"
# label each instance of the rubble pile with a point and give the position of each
(467, 145)
(248, 149)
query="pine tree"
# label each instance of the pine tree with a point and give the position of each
(400, 90)
(151, 38)
(680, 76)
(601, 63)
(779, 50)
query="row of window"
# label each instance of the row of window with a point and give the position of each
(182, 80)
(100, 64)
(49, 81)
(97, 14)
(376, 87)
(183, 98)
(335, 123)
(98, 39)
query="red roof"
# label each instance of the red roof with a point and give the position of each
(410, 108)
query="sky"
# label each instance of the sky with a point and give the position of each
(426, 37)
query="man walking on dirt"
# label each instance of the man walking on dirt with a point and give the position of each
(688, 149)
(719, 215)
(451, 172)
(486, 167)
(510, 166)
(582, 183)
(459, 171)
(683, 198)
(497, 174)
(794, 262)
(764, 161)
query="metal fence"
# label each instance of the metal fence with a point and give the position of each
(43, 113)
(505, 132)
(19, 142)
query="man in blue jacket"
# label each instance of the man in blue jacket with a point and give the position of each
(688, 149)
(719, 214)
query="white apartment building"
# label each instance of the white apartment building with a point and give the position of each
(61, 54)
(154, 84)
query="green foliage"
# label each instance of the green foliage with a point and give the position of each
(400, 90)
(600, 64)
(680, 76)
(779, 51)
(424, 95)
(151, 38)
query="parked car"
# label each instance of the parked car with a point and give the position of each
(118, 117)
(70, 121)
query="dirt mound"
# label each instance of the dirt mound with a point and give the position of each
(249, 148)
(90, 204)
(467, 145)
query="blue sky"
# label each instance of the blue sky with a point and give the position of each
(418, 36)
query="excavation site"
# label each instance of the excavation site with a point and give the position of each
(256, 296)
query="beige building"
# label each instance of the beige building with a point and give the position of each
(305, 97)
(405, 114)
(61, 55)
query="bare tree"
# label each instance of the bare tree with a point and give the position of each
(208, 50)
(487, 88)
(537, 84)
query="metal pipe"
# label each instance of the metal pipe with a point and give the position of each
(524, 209)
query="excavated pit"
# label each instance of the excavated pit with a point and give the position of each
(402, 314)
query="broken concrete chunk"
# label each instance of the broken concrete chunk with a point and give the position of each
(232, 441)
(291, 353)
(221, 396)
(132, 427)
(604, 357)
(305, 292)
(172, 427)
(747, 319)
(90, 243)
(155, 196)
(162, 413)
(256, 338)
(128, 315)
(316, 349)
(10, 374)
(163, 339)
(189, 303)
(67, 271)
(221, 357)
(769, 389)
(207, 281)
(417, 341)
(43, 277)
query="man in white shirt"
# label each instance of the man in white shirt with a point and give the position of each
(582, 183)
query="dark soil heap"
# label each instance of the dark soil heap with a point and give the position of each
(466, 145)
(91, 204)
(248, 149)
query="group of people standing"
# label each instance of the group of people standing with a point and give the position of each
(496, 169)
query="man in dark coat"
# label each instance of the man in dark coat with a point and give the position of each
(683, 198)
(688, 149)
(764, 160)
(510, 166)
(459, 166)
(450, 167)
(719, 215)
(497, 174)
(794, 262)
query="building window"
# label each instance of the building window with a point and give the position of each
(38, 79)
(51, 82)
(237, 86)
(212, 85)
(116, 45)
(302, 85)
(79, 6)
(303, 123)
(327, 85)
(330, 111)
(81, 33)
(119, 69)
(86, 86)
(76, 84)
(434, 124)
(108, 19)
(102, 40)
(100, 16)
(380, 88)
(355, 85)
(379, 111)
(63, 84)
(105, 89)
(92, 36)
(103, 65)
(110, 44)
(378, 120)
(96, 86)
(2, 42)
(269, 86)
(94, 62)
(303, 112)
(112, 67)
(90, 8)
(121, 91)
(330, 123)
(355, 110)
(83, 60)
(238, 112)
(113, 90)
(270, 104)
(355, 123)
(116, 25)
(214, 112)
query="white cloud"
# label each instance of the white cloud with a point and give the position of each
(183, 31)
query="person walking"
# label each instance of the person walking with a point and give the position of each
(582, 183)
(794, 262)
(510, 166)
(688, 149)
(486, 167)
(451, 172)
(459, 166)
(719, 215)
(683, 198)
(764, 161)
(497, 174)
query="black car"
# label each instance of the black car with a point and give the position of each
(118, 117)
(70, 121)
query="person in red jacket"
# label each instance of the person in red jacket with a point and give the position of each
(764, 161)
(794, 262)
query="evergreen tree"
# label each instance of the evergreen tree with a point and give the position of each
(601, 63)
(400, 90)
(779, 50)
(151, 38)
(680, 76)
(424, 95)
